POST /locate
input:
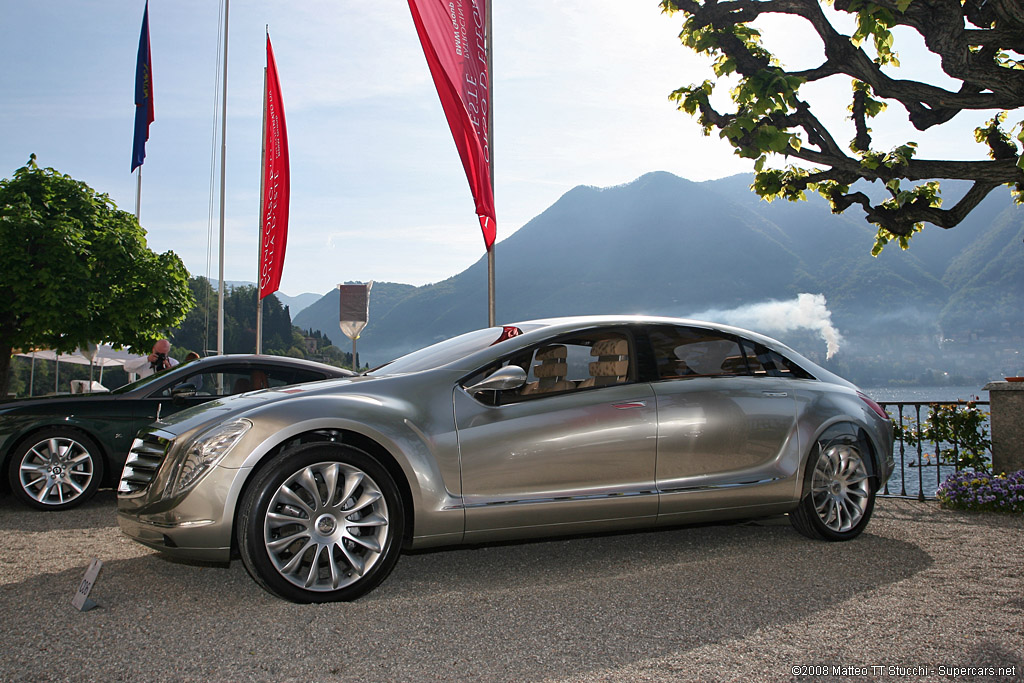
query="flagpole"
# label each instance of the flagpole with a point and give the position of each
(263, 189)
(138, 195)
(490, 147)
(223, 158)
(143, 107)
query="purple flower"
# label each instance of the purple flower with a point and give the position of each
(980, 491)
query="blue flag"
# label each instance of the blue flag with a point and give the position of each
(143, 94)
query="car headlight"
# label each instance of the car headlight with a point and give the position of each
(204, 453)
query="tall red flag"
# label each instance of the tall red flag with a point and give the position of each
(276, 184)
(452, 35)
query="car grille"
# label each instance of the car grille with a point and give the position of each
(144, 460)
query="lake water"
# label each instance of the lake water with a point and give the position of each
(937, 394)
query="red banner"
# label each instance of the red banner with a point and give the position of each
(452, 34)
(276, 184)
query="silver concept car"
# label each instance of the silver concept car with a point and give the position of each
(548, 427)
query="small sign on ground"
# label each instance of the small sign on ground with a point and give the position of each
(81, 600)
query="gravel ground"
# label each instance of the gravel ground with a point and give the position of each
(923, 587)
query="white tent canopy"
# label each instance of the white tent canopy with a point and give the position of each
(102, 356)
(105, 357)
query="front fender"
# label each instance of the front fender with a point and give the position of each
(421, 442)
(16, 428)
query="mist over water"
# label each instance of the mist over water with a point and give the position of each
(805, 312)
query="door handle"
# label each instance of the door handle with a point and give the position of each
(775, 394)
(629, 404)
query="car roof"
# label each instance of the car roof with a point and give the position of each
(253, 358)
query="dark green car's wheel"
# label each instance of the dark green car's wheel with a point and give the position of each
(55, 469)
(322, 522)
(840, 496)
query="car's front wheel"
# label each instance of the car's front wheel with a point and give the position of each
(840, 496)
(322, 522)
(55, 469)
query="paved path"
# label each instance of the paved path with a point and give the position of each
(923, 587)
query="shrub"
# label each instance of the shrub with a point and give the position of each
(983, 492)
(959, 433)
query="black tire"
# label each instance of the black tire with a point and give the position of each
(839, 491)
(343, 515)
(55, 469)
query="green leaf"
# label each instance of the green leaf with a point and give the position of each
(75, 269)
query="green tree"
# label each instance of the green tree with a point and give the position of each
(240, 308)
(198, 331)
(75, 269)
(979, 44)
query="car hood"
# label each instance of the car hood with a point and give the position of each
(49, 404)
(229, 407)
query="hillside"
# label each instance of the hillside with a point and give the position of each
(665, 245)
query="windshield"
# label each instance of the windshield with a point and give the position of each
(158, 377)
(449, 350)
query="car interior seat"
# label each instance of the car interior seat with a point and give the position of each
(612, 364)
(550, 370)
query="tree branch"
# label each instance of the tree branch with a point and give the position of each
(978, 43)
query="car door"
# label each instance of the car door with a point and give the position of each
(726, 424)
(570, 450)
(209, 382)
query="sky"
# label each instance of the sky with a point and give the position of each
(580, 97)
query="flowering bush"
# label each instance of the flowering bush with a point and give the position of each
(983, 492)
(959, 432)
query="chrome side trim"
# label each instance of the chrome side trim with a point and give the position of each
(555, 499)
(719, 487)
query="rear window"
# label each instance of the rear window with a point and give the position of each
(689, 352)
(682, 352)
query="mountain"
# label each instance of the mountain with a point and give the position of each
(665, 245)
(296, 304)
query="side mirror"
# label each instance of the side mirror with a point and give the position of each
(183, 391)
(508, 377)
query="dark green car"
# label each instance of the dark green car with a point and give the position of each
(57, 451)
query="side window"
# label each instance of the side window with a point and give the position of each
(788, 368)
(575, 363)
(767, 363)
(281, 377)
(759, 359)
(682, 352)
(209, 383)
(243, 380)
(235, 380)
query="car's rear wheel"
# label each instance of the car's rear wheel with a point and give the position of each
(55, 469)
(322, 522)
(839, 496)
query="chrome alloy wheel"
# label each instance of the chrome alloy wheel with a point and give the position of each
(840, 487)
(326, 526)
(56, 470)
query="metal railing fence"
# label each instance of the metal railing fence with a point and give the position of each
(921, 484)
